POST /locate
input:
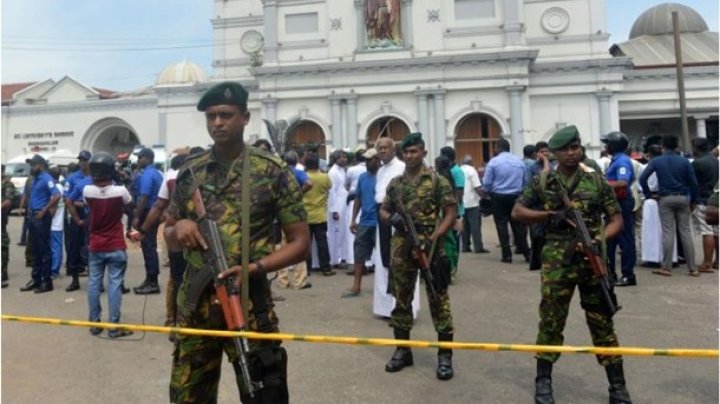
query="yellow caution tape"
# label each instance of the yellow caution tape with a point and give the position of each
(327, 339)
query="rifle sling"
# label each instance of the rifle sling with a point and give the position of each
(245, 223)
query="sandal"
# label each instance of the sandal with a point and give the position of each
(695, 273)
(708, 270)
(662, 271)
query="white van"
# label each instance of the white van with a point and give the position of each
(19, 171)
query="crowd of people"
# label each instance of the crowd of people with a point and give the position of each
(379, 210)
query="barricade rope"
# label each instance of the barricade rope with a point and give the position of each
(327, 339)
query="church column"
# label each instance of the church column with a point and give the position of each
(162, 128)
(512, 23)
(352, 127)
(270, 105)
(516, 118)
(336, 141)
(700, 126)
(422, 108)
(604, 106)
(406, 23)
(360, 23)
(270, 30)
(439, 118)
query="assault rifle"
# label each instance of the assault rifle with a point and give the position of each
(419, 250)
(592, 254)
(226, 290)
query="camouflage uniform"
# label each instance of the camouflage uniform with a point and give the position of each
(8, 194)
(592, 197)
(424, 198)
(274, 194)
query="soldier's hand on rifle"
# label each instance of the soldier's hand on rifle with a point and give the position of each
(188, 235)
(398, 222)
(558, 218)
(235, 272)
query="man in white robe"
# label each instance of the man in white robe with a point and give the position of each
(384, 302)
(337, 209)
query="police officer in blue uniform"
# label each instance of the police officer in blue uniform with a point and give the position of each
(76, 235)
(620, 174)
(44, 197)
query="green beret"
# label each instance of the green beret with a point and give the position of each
(563, 137)
(412, 139)
(225, 93)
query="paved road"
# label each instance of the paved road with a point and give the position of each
(492, 302)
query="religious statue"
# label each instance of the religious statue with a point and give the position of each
(382, 21)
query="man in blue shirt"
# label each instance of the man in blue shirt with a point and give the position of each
(148, 186)
(504, 179)
(677, 196)
(76, 236)
(364, 231)
(44, 197)
(620, 175)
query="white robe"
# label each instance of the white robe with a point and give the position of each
(337, 229)
(383, 302)
(651, 240)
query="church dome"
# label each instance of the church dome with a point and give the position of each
(658, 21)
(181, 73)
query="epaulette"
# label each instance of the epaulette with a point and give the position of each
(258, 152)
(586, 168)
(192, 161)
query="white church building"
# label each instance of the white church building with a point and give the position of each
(341, 73)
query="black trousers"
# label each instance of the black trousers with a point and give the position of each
(76, 246)
(40, 237)
(502, 205)
(318, 231)
(385, 231)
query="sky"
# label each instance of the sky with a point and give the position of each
(123, 45)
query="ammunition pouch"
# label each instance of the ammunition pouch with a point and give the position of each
(441, 272)
(601, 306)
(268, 367)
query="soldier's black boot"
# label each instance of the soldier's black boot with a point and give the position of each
(402, 356)
(543, 383)
(74, 285)
(616, 377)
(445, 368)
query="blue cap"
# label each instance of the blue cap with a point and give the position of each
(36, 159)
(84, 155)
(145, 152)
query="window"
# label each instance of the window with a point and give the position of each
(305, 23)
(474, 9)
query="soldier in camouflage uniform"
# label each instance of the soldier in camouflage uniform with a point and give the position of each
(8, 196)
(591, 195)
(429, 200)
(275, 194)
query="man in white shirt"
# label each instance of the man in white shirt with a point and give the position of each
(57, 226)
(471, 200)
(337, 209)
(383, 302)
